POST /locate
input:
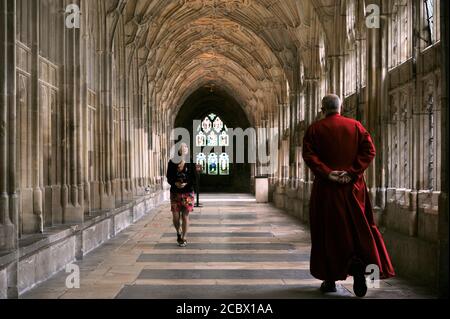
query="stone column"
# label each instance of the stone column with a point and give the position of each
(73, 210)
(108, 201)
(9, 214)
(128, 155)
(8, 178)
(84, 178)
(337, 78)
(107, 198)
(4, 211)
(37, 222)
(376, 98)
(292, 131)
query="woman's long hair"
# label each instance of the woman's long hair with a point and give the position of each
(183, 156)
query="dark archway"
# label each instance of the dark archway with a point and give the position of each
(201, 103)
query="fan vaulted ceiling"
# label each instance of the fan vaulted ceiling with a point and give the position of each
(247, 47)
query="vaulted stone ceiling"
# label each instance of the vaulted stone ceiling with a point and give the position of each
(250, 48)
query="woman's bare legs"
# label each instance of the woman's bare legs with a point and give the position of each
(185, 218)
(177, 221)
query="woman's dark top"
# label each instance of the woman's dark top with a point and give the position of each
(187, 175)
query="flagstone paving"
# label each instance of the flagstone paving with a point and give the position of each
(236, 249)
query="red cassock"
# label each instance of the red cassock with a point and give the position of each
(343, 230)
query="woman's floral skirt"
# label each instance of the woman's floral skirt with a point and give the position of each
(182, 202)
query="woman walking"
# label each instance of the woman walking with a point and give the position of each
(181, 177)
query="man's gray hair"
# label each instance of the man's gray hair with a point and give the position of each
(331, 102)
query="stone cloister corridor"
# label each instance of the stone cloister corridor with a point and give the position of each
(92, 90)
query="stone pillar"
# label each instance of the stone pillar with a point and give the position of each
(292, 142)
(84, 178)
(9, 213)
(376, 53)
(8, 179)
(107, 197)
(72, 208)
(35, 223)
(4, 211)
(128, 156)
(337, 79)
(108, 200)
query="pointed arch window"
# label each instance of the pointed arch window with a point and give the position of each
(212, 132)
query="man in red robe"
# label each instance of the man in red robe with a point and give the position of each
(344, 237)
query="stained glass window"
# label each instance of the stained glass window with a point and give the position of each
(224, 139)
(206, 125)
(201, 139)
(212, 164)
(213, 132)
(218, 125)
(224, 164)
(201, 160)
(212, 139)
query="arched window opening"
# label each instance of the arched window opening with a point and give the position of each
(213, 132)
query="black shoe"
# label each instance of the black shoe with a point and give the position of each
(183, 243)
(179, 239)
(328, 286)
(359, 285)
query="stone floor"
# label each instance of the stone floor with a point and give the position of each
(237, 249)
